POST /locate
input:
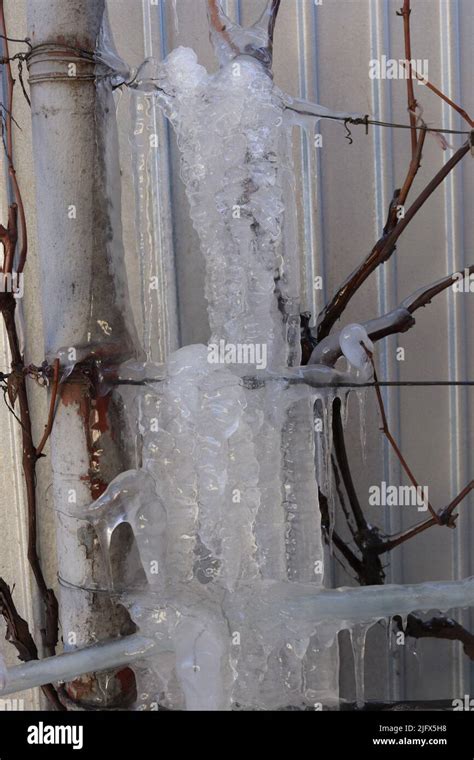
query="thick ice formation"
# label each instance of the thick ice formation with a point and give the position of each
(224, 507)
(229, 129)
(232, 460)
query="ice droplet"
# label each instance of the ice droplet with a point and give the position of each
(350, 340)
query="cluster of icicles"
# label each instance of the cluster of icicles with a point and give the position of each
(225, 513)
(224, 507)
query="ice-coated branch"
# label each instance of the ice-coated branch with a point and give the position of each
(399, 320)
(273, 10)
(219, 28)
(231, 40)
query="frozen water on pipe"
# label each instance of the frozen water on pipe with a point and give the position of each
(65, 667)
(274, 610)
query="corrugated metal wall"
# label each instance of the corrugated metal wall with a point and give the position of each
(322, 52)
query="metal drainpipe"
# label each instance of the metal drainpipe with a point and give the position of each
(85, 308)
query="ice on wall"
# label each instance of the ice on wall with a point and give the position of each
(224, 506)
(230, 131)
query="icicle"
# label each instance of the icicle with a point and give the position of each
(3, 672)
(344, 399)
(153, 228)
(389, 622)
(202, 666)
(175, 16)
(362, 399)
(304, 542)
(358, 636)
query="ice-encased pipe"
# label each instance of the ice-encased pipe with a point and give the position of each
(86, 311)
(65, 667)
(294, 604)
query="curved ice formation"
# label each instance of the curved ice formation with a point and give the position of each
(355, 343)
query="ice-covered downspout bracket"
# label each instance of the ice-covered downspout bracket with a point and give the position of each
(224, 506)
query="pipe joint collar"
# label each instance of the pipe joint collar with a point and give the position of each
(63, 63)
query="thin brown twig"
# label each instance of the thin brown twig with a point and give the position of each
(17, 382)
(23, 235)
(19, 635)
(415, 165)
(52, 406)
(389, 436)
(29, 460)
(444, 97)
(383, 249)
(445, 517)
(412, 104)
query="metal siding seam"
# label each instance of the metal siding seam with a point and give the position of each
(314, 249)
(457, 343)
(387, 288)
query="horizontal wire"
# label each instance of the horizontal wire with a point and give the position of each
(377, 123)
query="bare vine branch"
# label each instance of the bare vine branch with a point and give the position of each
(19, 635)
(14, 233)
(382, 250)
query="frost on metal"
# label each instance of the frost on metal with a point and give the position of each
(224, 507)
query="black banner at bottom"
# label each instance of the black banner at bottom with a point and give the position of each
(430, 734)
